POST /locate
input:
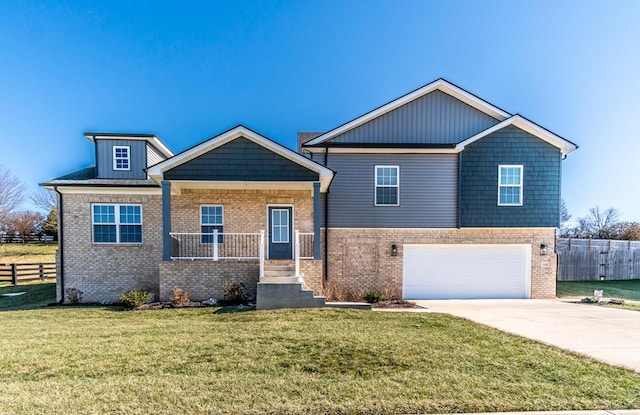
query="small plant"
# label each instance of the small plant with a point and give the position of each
(588, 300)
(337, 293)
(135, 298)
(74, 295)
(180, 297)
(373, 296)
(390, 293)
(234, 293)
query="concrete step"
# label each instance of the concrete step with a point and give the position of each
(347, 304)
(277, 279)
(273, 295)
(279, 273)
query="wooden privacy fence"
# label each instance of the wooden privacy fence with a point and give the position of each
(16, 273)
(597, 259)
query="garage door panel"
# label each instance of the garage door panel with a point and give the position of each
(466, 271)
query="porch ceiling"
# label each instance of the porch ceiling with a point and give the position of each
(178, 186)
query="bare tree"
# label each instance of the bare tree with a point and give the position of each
(26, 223)
(564, 213)
(599, 224)
(44, 199)
(11, 195)
(47, 201)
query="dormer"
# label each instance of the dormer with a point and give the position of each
(126, 156)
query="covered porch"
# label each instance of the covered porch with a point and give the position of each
(240, 208)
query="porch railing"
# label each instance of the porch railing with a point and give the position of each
(233, 245)
(216, 245)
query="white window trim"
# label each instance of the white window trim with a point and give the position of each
(375, 185)
(128, 158)
(211, 224)
(273, 225)
(520, 186)
(116, 207)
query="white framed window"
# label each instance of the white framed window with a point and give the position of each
(387, 186)
(116, 224)
(280, 226)
(510, 185)
(121, 158)
(211, 218)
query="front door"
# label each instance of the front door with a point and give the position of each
(280, 233)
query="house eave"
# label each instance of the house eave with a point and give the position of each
(177, 186)
(524, 124)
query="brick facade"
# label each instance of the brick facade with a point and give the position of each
(105, 271)
(244, 210)
(205, 279)
(360, 259)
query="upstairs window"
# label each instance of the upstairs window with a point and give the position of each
(509, 185)
(121, 158)
(117, 224)
(387, 186)
(211, 218)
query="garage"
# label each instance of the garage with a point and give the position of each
(466, 271)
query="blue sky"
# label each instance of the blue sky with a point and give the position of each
(186, 71)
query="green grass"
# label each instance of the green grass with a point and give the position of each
(627, 290)
(36, 294)
(28, 253)
(63, 360)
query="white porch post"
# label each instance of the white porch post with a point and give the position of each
(297, 255)
(215, 244)
(261, 255)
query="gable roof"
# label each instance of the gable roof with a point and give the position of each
(156, 172)
(521, 122)
(440, 84)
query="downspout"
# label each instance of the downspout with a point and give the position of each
(60, 243)
(459, 190)
(325, 273)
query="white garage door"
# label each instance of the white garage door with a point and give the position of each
(466, 271)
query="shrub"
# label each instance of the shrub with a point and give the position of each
(234, 293)
(180, 297)
(373, 296)
(74, 295)
(135, 298)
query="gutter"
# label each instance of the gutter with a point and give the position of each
(60, 244)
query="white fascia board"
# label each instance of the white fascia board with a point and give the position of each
(360, 150)
(178, 185)
(565, 146)
(440, 84)
(108, 190)
(156, 172)
(155, 141)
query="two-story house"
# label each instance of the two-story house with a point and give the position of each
(437, 194)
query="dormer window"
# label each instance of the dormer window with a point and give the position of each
(121, 158)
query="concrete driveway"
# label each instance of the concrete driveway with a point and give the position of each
(606, 334)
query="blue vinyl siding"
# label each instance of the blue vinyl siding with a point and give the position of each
(241, 160)
(137, 159)
(435, 118)
(479, 181)
(428, 191)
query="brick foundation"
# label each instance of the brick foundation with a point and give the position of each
(360, 259)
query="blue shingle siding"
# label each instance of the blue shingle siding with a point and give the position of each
(435, 118)
(479, 181)
(428, 191)
(241, 160)
(137, 159)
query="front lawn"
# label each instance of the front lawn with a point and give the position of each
(62, 360)
(628, 290)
